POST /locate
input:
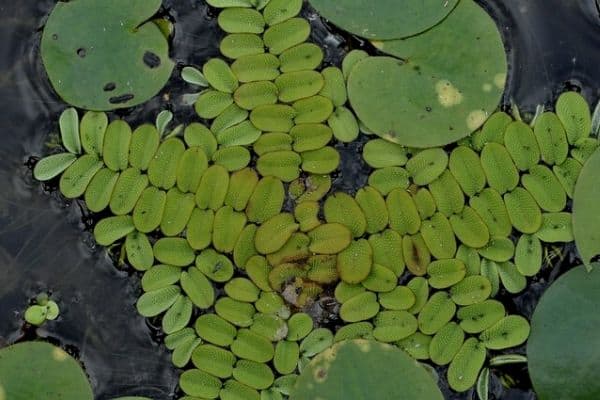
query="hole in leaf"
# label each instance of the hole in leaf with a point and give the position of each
(121, 99)
(110, 86)
(81, 52)
(151, 59)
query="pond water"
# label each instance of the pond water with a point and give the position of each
(45, 243)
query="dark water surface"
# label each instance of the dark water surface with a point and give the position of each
(45, 243)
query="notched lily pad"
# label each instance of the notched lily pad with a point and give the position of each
(451, 78)
(100, 55)
(384, 19)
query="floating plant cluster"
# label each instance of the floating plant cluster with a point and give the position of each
(43, 310)
(238, 237)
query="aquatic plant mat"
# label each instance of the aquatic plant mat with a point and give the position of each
(268, 284)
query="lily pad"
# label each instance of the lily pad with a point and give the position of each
(586, 210)
(38, 370)
(362, 369)
(384, 19)
(564, 357)
(100, 55)
(441, 87)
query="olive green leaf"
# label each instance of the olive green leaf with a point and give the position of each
(100, 55)
(241, 20)
(483, 384)
(574, 113)
(52, 166)
(278, 11)
(229, 3)
(194, 76)
(464, 368)
(351, 59)
(69, 130)
(163, 119)
(36, 314)
(506, 359)
(152, 303)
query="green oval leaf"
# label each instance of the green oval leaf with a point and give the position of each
(69, 130)
(194, 76)
(52, 166)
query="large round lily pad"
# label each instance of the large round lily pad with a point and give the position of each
(564, 346)
(364, 370)
(586, 210)
(38, 370)
(100, 55)
(384, 19)
(443, 85)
